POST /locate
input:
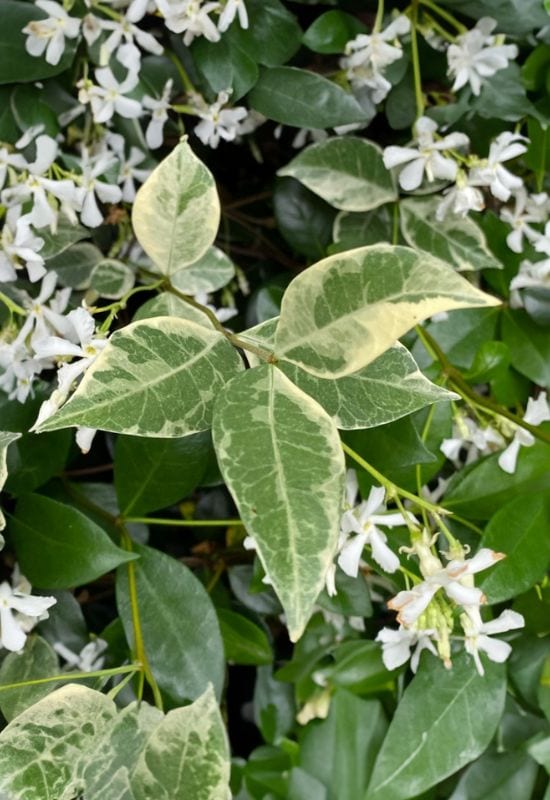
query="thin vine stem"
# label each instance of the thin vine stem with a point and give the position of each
(185, 523)
(74, 676)
(379, 17)
(459, 384)
(458, 26)
(419, 97)
(13, 307)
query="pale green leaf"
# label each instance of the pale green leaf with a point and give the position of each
(156, 377)
(6, 438)
(457, 240)
(187, 756)
(36, 763)
(169, 305)
(211, 272)
(357, 230)
(348, 173)
(36, 660)
(287, 480)
(388, 388)
(111, 278)
(438, 714)
(177, 211)
(343, 312)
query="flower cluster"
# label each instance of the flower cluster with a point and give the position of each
(20, 611)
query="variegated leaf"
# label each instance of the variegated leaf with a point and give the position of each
(6, 438)
(213, 271)
(177, 211)
(348, 173)
(169, 305)
(156, 377)
(457, 240)
(187, 756)
(281, 458)
(346, 310)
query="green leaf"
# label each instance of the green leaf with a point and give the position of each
(35, 763)
(176, 212)
(498, 776)
(456, 240)
(16, 65)
(517, 530)
(503, 96)
(529, 345)
(6, 438)
(75, 263)
(187, 755)
(211, 272)
(516, 17)
(343, 312)
(330, 32)
(225, 65)
(358, 667)
(28, 109)
(274, 706)
(340, 750)
(303, 99)
(303, 219)
(58, 547)
(290, 502)
(273, 35)
(65, 235)
(111, 278)
(348, 173)
(155, 473)
(243, 641)
(156, 377)
(180, 630)
(491, 360)
(460, 336)
(356, 230)
(169, 305)
(479, 490)
(37, 660)
(436, 706)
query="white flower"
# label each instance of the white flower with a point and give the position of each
(190, 17)
(18, 371)
(92, 168)
(478, 635)
(397, 646)
(535, 274)
(368, 55)
(460, 199)
(426, 157)
(475, 440)
(19, 612)
(109, 96)
(542, 244)
(537, 411)
(528, 208)
(89, 659)
(123, 39)
(128, 169)
(8, 160)
(43, 319)
(159, 107)
(49, 34)
(19, 246)
(232, 9)
(477, 55)
(138, 8)
(218, 122)
(491, 173)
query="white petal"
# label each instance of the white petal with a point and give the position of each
(351, 553)
(12, 637)
(508, 458)
(381, 553)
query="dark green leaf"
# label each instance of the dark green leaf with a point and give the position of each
(332, 31)
(529, 345)
(498, 776)
(180, 630)
(273, 34)
(36, 660)
(243, 641)
(58, 547)
(304, 99)
(303, 219)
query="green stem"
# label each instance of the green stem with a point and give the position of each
(185, 523)
(114, 308)
(73, 676)
(185, 109)
(379, 17)
(419, 97)
(458, 26)
(109, 12)
(184, 77)
(395, 223)
(391, 487)
(13, 306)
(418, 468)
(126, 542)
(235, 340)
(458, 383)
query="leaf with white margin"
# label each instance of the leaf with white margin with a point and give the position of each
(347, 172)
(211, 272)
(457, 240)
(187, 755)
(280, 455)
(176, 212)
(343, 312)
(167, 304)
(45, 750)
(6, 438)
(157, 377)
(112, 278)
(388, 388)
